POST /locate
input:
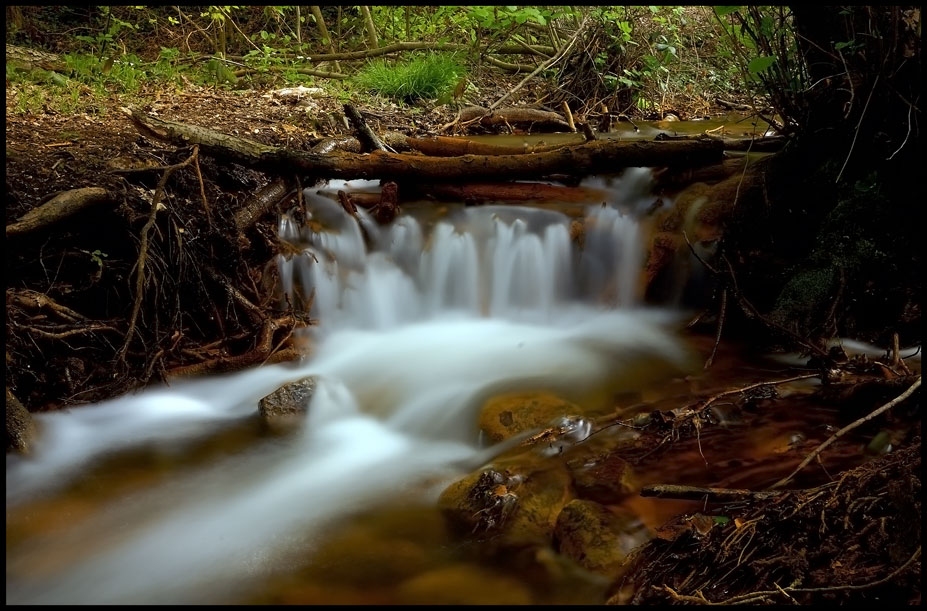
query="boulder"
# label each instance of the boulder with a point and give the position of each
(289, 402)
(606, 478)
(596, 537)
(516, 506)
(507, 415)
(20, 429)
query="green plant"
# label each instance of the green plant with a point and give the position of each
(423, 76)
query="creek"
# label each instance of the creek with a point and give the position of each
(182, 494)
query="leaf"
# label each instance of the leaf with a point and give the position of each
(721, 520)
(721, 11)
(761, 63)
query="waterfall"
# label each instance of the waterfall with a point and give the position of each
(419, 321)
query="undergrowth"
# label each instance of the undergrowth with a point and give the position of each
(421, 77)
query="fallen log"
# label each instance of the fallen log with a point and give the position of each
(603, 156)
(62, 206)
(445, 146)
(488, 192)
(763, 144)
(509, 116)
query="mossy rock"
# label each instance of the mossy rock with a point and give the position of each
(462, 584)
(507, 415)
(597, 538)
(502, 503)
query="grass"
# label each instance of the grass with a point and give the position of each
(422, 77)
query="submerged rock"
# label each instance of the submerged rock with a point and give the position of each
(596, 537)
(508, 415)
(462, 584)
(517, 507)
(20, 429)
(605, 479)
(289, 402)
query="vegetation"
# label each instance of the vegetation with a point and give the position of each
(639, 60)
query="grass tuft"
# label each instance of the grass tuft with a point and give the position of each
(422, 77)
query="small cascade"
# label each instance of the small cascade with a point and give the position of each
(420, 322)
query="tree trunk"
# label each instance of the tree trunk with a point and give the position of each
(371, 29)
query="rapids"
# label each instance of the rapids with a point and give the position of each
(419, 322)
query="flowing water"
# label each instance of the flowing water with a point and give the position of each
(182, 494)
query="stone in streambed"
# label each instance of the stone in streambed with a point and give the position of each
(289, 402)
(606, 478)
(515, 506)
(596, 537)
(507, 415)
(20, 429)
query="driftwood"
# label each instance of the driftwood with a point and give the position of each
(485, 192)
(589, 158)
(62, 206)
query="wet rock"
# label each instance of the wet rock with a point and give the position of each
(606, 479)
(20, 429)
(507, 415)
(508, 504)
(289, 402)
(596, 537)
(462, 584)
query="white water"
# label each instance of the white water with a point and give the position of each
(416, 331)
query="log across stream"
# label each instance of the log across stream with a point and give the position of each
(183, 494)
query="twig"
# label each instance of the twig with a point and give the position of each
(569, 115)
(698, 493)
(701, 406)
(714, 349)
(858, 125)
(547, 64)
(847, 428)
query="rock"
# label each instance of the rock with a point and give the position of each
(519, 507)
(605, 479)
(288, 402)
(597, 538)
(507, 415)
(20, 429)
(462, 584)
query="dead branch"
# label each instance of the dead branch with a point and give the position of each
(874, 414)
(263, 200)
(368, 138)
(697, 493)
(62, 206)
(488, 117)
(599, 156)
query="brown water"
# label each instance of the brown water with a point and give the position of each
(399, 552)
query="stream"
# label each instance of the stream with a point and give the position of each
(183, 494)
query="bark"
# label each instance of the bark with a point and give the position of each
(367, 137)
(767, 144)
(594, 157)
(370, 28)
(488, 192)
(503, 116)
(62, 206)
(443, 146)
